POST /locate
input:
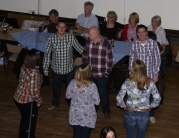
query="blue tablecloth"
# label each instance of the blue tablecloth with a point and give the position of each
(32, 39)
(120, 50)
(36, 40)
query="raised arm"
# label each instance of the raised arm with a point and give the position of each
(77, 46)
(85, 54)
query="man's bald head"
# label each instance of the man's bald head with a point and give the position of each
(94, 29)
(94, 34)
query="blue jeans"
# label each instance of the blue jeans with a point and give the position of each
(101, 84)
(57, 81)
(81, 132)
(136, 121)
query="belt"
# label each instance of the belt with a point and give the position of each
(139, 110)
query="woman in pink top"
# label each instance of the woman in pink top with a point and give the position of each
(129, 30)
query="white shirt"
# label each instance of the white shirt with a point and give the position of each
(161, 35)
(87, 22)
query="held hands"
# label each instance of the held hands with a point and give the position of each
(46, 23)
(83, 30)
(162, 52)
(105, 37)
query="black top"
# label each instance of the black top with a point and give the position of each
(110, 33)
(82, 42)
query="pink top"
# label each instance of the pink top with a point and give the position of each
(131, 33)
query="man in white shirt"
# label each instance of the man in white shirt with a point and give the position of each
(86, 20)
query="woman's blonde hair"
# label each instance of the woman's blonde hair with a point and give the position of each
(136, 17)
(83, 75)
(113, 14)
(157, 19)
(139, 75)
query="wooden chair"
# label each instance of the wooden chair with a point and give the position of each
(13, 51)
(101, 20)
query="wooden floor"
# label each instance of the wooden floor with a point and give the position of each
(54, 124)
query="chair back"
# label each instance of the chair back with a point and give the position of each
(12, 22)
(14, 48)
(101, 20)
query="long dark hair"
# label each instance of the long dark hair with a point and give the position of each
(32, 59)
(105, 130)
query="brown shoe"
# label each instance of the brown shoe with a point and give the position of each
(51, 108)
(107, 115)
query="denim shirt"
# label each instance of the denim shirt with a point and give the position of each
(138, 99)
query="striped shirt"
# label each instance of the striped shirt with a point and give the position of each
(62, 53)
(99, 55)
(28, 90)
(149, 53)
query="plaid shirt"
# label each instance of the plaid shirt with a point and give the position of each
(28, 90)
(149, 54)
(99, 55)
(62, 53)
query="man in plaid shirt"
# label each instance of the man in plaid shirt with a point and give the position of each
(61, 46)
(146, 50)
(98, 53)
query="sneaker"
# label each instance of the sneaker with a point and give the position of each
(107, 115)
(152, 120)
(51, 108)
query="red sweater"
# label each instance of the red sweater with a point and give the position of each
(124, 34)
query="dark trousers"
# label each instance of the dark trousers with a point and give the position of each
(102, 86)
(163, 66)
(29, 114)
(81, 132)
(57, 81)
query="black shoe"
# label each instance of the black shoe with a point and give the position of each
(107, 115)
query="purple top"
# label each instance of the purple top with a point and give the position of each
(131, 33)
(138, 99)
(149, 53)
(100, 56)
(83, 100)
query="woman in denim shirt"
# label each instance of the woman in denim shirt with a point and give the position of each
(137, 107)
